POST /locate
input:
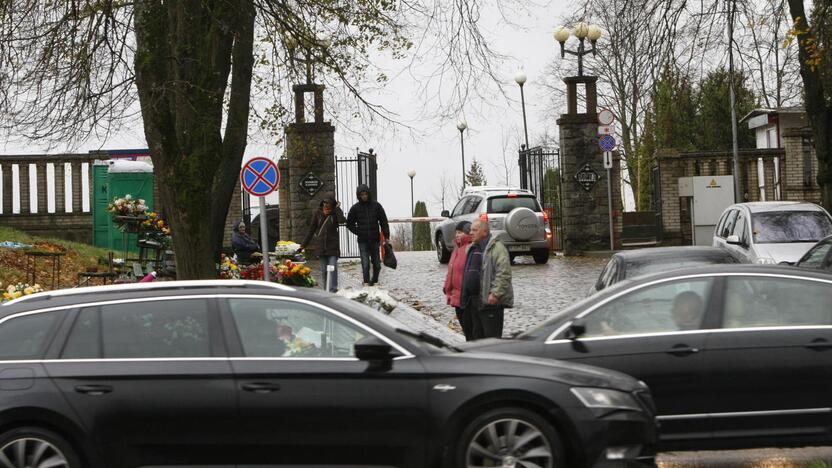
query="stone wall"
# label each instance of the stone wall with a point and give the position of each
(799, 173)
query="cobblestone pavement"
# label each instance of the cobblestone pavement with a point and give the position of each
(539, 291)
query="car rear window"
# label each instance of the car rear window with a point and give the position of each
(791, 226)
(656, 265)
(504, 204)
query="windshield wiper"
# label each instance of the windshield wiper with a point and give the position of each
(428, 338)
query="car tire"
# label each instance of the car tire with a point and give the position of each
(541, 257)
(37, 442)
(442, 252)
(485, 440)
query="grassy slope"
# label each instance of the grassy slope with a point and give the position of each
(79, 257)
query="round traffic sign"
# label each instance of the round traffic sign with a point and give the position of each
(606, 117)
(607, 142)
(260, 177)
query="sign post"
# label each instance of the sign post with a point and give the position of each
(259, 178)
(607, 143)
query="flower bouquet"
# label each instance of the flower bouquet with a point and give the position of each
(127, 212)
(295, 274)
(228, 268)
(288, 250)
(13, 291)
(155, 228)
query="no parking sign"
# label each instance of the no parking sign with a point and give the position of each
(259, 178)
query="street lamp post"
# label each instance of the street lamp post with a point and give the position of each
(461, 126)
(520, 78)
(581, 31)
(412, 173)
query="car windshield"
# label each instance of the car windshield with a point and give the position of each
(504, 204)
(779, 227)
(655, 265)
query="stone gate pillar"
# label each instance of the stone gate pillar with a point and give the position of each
(307, 170)
(585, 210)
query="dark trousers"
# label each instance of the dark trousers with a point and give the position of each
(488, 321)
(370, 253)
(464, 316)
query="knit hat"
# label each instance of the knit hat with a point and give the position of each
(464, 226)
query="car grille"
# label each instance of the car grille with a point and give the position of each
(646, 400)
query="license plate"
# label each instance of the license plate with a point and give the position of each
(519, 248)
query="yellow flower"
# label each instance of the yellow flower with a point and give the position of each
(28, 290)
(17, 294)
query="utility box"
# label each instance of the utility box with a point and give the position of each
(115, 179)
(711, 196)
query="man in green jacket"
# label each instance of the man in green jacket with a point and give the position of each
(496, 293)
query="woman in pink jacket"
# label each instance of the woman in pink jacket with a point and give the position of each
(453, 280)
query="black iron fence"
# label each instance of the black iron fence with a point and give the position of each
(540, 173)
(349, 174)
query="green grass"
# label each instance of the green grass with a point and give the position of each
(84, 250)
(820, 464)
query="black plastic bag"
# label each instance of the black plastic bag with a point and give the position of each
(388, 257)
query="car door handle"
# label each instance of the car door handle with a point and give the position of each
(819, 344)
(94, 389)
(260, 387)
(682, 350)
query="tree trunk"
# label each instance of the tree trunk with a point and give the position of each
(185, 53)
(818, 109)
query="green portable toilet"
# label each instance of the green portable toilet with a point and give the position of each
(115, 180)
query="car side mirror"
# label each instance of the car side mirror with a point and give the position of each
(575, 330)
(445, 214)
(733, 240)
(371, 348)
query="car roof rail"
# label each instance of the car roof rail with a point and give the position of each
(153, 286)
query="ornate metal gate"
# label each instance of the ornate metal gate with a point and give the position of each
(540, 173)
(349, 174)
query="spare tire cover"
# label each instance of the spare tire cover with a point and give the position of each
(522, 224)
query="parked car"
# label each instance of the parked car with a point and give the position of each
(771, 232)
(818, 257)
(210, 373)
(514, 216)
(735, 355)
(632, 263)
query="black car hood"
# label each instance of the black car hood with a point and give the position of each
(569, 373)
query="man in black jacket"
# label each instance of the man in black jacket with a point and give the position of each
(365, 219)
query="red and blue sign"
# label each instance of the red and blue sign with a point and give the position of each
(260, 177)
(607, 142)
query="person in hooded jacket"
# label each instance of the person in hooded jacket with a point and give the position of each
(366, 220)
(453, 280)
(242, 243)
(324, 225)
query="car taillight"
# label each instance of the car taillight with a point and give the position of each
(483, 216)
(511, 195)
(546, 217)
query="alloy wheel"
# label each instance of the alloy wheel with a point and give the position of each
(29, 452)
(509, 443)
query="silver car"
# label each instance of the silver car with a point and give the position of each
(514, 216)
(771, 232)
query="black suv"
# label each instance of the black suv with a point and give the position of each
(237, 373)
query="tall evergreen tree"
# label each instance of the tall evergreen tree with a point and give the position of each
(421, 229)
(715, 111)
(476, 176)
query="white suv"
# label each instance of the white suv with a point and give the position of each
(771, 232)
(514, 216)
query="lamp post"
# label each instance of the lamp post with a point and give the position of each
(581, 31)
(520, 78)
(412, 173)
(461, 126)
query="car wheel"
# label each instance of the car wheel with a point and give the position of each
(36, 448)
(442, 252)
(541, 257)
(509, 437)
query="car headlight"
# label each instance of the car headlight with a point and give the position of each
(605, 398)
(765, 261)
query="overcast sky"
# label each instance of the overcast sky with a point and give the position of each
(426, 144)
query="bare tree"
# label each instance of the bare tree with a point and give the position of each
(71, 70)
(446, 194)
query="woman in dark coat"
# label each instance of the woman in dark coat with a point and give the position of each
(242, 244)
(324, 225)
